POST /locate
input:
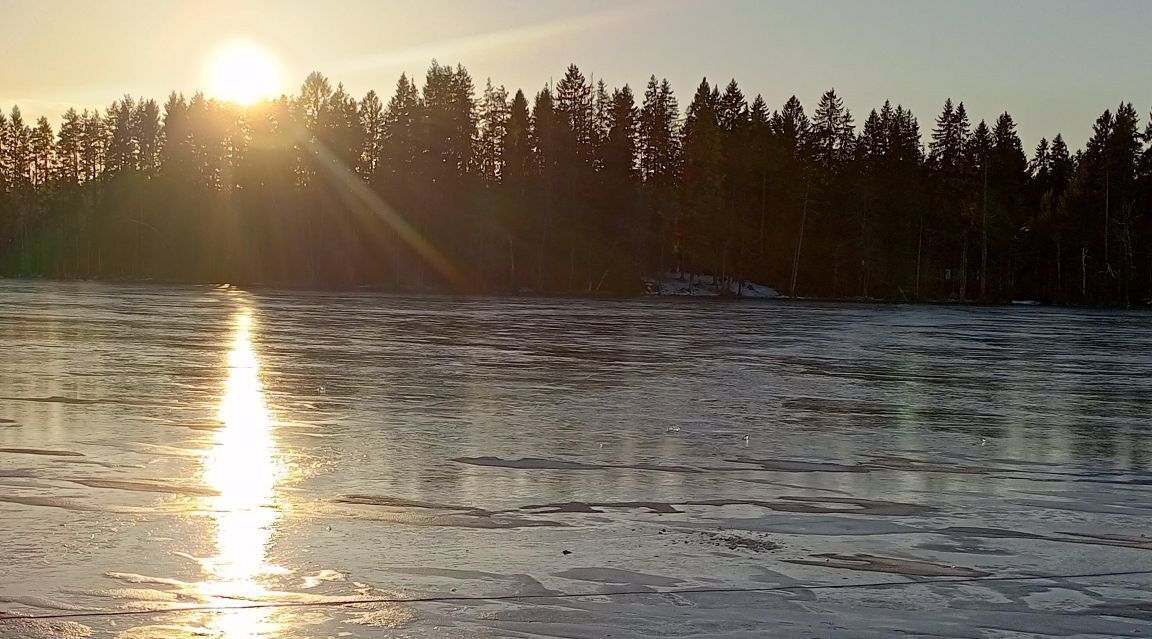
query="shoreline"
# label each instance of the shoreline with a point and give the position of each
(433, 292)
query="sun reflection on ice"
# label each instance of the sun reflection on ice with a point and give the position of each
(244, 467)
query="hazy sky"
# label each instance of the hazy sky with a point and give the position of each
(1054, 64)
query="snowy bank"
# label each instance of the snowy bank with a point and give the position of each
(690, 285)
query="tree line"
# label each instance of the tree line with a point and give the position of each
(580, 189)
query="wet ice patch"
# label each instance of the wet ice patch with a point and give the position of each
(400, 502)
(535, 463)
(618, 576)
(41, 451)
(786, 503)
(419, 513)
(93, 462)
(585, 507)
(147, 487)
(134, 578)
(56, 502)
(1141, 542)
(894, 565)
(53, 399)
(797, 466)
(516, 583)
(42, 603)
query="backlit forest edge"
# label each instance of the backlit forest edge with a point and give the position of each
(577, 189)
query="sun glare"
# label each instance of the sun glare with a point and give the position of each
(244, 73)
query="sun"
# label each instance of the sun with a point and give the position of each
(244, 73)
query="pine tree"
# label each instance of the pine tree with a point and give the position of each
(544, 135)
(546, 132)
(342, 132)
(402, 137)
(69, 147)
(658, 133)
(146, 131)
(659, 154)
(372, 125)
(601, 122)
(449, 121)
(121, 150)
(494, 118)
(872, 147)
(761, 146)
(1123, 152)
(1051, 173)
(18, 152)
(41, 146)
(176, 152)
(208, 141)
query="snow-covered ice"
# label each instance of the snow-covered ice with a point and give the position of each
(693, 285)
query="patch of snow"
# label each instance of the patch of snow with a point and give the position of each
(692, 285)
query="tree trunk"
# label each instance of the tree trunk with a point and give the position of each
(984, 241)
(512, 266)
(1107, 215)
(964, 271)
(919, 255)
(571, 266)
(864, 251)
(1083, 274)
(800, 240)
(540, 254)
(763, 209)
(836, 271)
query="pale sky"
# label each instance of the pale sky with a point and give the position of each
(1054, 64)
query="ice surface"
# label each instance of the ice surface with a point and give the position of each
(171, 447)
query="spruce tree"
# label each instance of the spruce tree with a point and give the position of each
(830, 138)
(517, 143)
(700, 231)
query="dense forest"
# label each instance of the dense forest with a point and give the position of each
(576, 189)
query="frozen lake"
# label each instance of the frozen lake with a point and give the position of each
(818, 470)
